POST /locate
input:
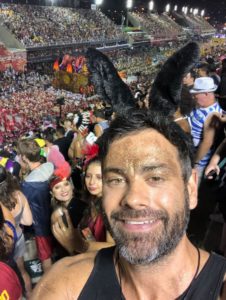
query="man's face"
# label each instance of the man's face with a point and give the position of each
(201, 73)
(67, 125)
(202, 99)
(145, 200)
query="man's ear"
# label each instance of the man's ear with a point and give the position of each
(24, 159)
(192, 187)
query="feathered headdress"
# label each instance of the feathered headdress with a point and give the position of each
(89, 152)
(60, 174)
(166, 89)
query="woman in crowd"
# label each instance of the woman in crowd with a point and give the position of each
(53, 153)
(15, 201)
(10, 282)
(90, 233)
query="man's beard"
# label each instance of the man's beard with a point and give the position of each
(146, 248)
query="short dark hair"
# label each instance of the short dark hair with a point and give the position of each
(99, 113)
(60, 130)
(30, 149)
(48, 134)
(204, 67)
(138, 120)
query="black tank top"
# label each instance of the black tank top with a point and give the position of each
(103, 284)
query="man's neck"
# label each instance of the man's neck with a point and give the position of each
(34, 165)
(168, 278)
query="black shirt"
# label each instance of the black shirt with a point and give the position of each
(103, 283)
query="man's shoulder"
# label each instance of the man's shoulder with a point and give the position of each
(66, 279)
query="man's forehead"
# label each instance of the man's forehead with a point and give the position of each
(142, 145)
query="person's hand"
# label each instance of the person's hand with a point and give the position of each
(213, 121)
(68, 236)
(210, 170)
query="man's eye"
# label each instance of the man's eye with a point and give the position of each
(115, 181)
(155, 179)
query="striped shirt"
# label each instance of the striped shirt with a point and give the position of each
(196, 120)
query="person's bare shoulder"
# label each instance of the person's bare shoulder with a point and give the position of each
(223, 290)
(65, 279)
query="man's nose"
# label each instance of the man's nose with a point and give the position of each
(136, 195)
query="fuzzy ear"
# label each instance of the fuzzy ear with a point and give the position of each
(166, 90)
(107, 82)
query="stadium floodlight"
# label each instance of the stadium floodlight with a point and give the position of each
(195, 11)
(185, 10)
(175, 8)
(98, 2)
(129, 4)
(151, 5)
(203, 13)
(167, 8)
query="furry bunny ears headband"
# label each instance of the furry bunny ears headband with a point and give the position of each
(165, 91)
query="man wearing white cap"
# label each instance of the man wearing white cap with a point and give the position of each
(203, 92)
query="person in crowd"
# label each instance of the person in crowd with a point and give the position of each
(147, 198)
(187, 103)
(15, 201)
(62, 142)
(68, 126)
(213, 74)
(101, 121)
(35, 187)
(221, 91)
(211, 171)
(203, 70)
(11, 284)
(203, 91)
(52, 151)
(83, 230)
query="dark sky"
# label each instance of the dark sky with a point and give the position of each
(216, 9)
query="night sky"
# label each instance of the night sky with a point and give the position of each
(215, 9)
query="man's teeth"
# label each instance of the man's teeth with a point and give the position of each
(138, 222)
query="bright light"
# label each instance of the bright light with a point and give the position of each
(185, 10)
(151, 5)
(175, 8)
(167, 7)
(203, 13)
(129, 4)
(191, 10)
(195, 11)
(98, 2)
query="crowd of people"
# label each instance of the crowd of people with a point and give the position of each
(43, 25)
(157, 26)
(199, 24)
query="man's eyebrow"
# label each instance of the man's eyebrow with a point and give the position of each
(147, 168)
(143, 169)
(113, 170)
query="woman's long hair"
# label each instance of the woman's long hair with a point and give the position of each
(8, 186)
(5, 240)
(86, 196)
